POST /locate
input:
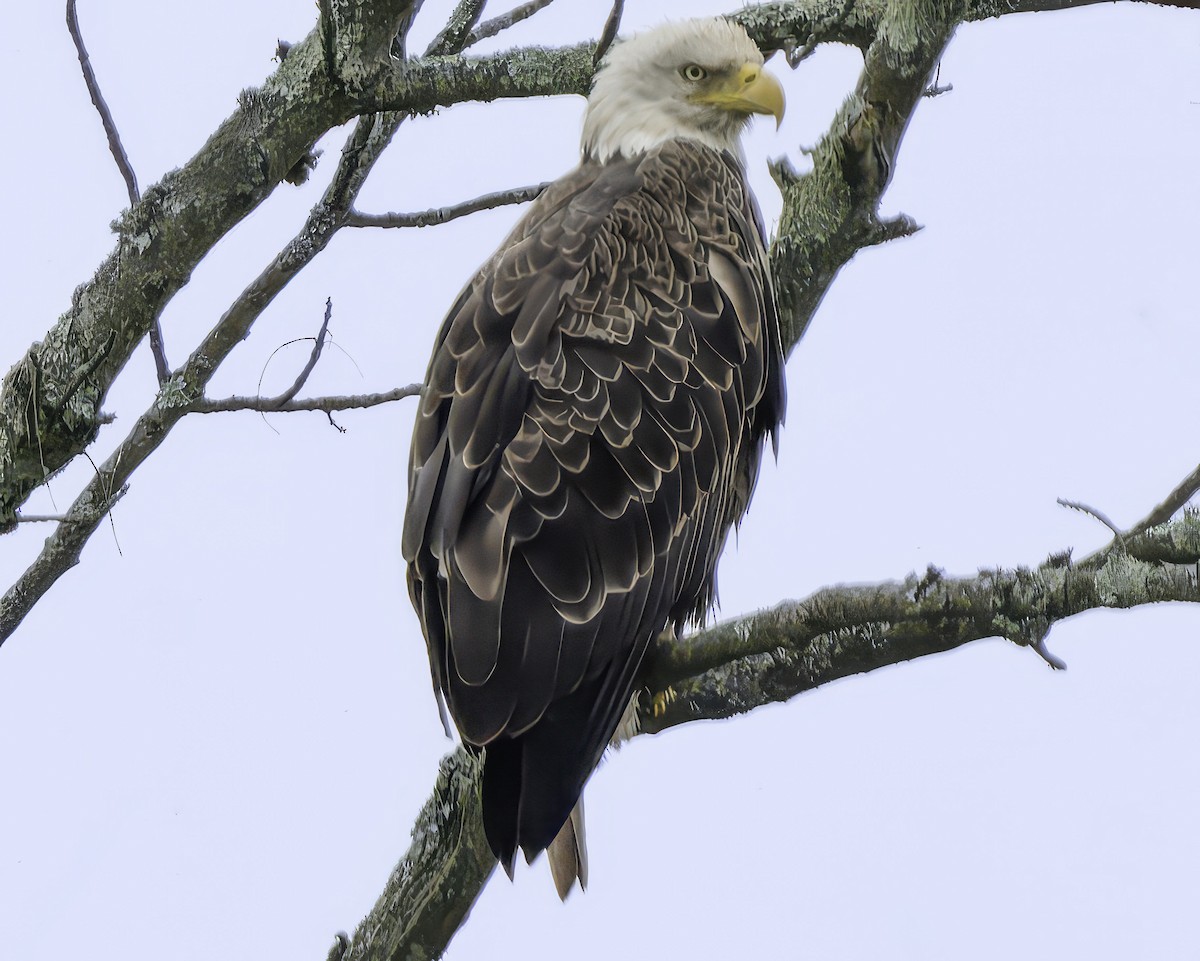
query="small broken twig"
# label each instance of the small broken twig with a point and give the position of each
(1084, 508)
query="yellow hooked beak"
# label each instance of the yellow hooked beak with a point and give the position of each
(750, 89)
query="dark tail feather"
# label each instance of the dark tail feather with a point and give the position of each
(501, 799)
(567, 854)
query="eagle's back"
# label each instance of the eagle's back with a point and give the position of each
(591, 428)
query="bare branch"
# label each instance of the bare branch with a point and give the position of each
(313, 357)
(326, 404)
(1091, 512)
(1184, 491)
(609, 33)
(489, 28)
(442, 215)
(364, 146)
(110, 127)
(96, 516)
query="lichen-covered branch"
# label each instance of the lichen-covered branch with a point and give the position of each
(175, 399)
(831, 213)
(776, 654)
(50, 401)
(433, 887)
(184, 393)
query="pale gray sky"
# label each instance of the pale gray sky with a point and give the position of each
(215, 739)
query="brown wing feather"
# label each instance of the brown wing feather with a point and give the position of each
(591, 428)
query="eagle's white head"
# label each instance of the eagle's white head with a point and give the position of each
(694, 79)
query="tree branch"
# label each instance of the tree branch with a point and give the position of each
(773, 655)
(273, 405)
(609, 33)
(420, 909)
(160, 241)
(62, 550)
(457, 32)
(1184, 491)
(106, 118)
(442, 215)
(313, 356)
(489, 28)
(768, 657)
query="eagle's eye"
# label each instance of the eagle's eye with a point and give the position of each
(693, 72)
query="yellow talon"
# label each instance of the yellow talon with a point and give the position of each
(658, 706)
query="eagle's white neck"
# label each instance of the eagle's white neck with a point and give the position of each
(622, 120)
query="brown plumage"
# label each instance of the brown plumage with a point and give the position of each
(591, 428)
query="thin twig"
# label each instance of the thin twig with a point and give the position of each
(609, 33)
(1183, 492)
(937, 88)
(489, 28)
(117, 148)
(313, 357)
(1099, 515)
(162, 368)
(110, 127)
(97, 515)
(442, 215)
(325, 404)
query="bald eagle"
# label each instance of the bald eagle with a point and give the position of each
(591, 427)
